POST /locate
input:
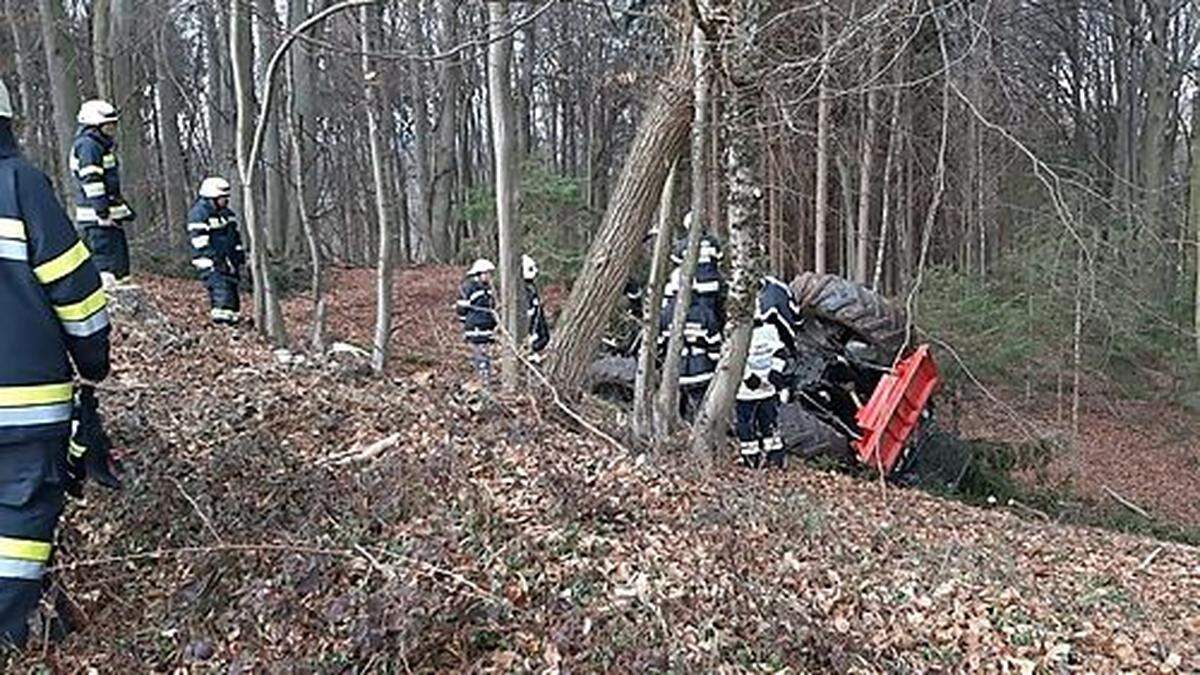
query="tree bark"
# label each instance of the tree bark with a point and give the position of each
(1194, 213)
(383, 285)
(820, 211)
(889, 163)
(276, 211)
(312, 235)
(64, 90)
(647, 375)
(101, 56)
(444, 151)
(512, 311)
(23, 105)
(420, 119)
(865, 162)
(659, 139)
(666, 406)
(174, 188)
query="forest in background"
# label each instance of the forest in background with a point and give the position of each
(1017, 171)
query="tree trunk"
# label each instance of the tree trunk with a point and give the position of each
(442, 184)
(500, 100)
(866, 159)
(126, 94)
(276, 211)
(1194, 211)
(889, 162)
(24, 105)
(659, 139)
(267, 315)
(64, 90)
(383, 285)
(745, 236)
(666, 407)
(644, 383)
(174, 187)
(101, 56)
(420, 119)
(822, 188)
(312, 235)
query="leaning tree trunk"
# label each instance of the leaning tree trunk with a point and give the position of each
(666, 404)
(383, 285)
(507, 184)
(660, 137)
(64, 89)
(643, 389)
(745, 233)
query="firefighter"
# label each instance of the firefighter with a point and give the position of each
(759, 395)
(217, 249)
(100, 209)
(776, 304)
(701, 348)
(476, 308)
(539, 330)
(51, 297)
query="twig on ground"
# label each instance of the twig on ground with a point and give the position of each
(1029, 509)
(199, 512)
(360, 452)
(1149, 559)
(1126, 503)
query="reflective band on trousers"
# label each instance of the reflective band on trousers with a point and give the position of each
(14, 250)
(25, 549)
(21, 569)
(11, 228)
(89, 326)
(35, 415)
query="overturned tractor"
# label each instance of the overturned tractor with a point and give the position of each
(860, 394)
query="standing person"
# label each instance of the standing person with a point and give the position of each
(762, 389)
(539, 330)
(476, 308)
(100, 209)
(217, 249)
(701, 348)
(51, 297)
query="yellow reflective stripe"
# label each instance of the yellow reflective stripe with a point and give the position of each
(24, 549)
(36, 394)
(11, 228)
(49, 272)
(84, 308)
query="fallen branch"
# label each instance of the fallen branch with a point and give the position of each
(1149, 559)
(1126, 503)
(361, 453)
(196, 507)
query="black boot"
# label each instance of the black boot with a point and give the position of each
(102, 468)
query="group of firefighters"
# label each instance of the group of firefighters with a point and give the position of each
(765, 383)
(53, 285)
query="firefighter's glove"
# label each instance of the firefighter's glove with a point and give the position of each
(785, 395)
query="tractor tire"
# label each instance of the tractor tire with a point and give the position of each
(855, 308)
(612, 378)
(806, 435)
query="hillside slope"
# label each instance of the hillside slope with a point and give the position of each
(493, 537)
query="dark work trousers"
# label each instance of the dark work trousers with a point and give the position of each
(109, 248)
(758, 431)
(223, 296)
(31, 501)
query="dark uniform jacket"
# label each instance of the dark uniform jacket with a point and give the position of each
(701, 341)
(98, 179)
(216, 243)
(777, 305)
(475, 308)
(53, 307)
(539, 330)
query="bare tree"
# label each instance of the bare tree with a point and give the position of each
(820, 212)
(646, 377)
(512, 312)
(383, 284)
(64, 90)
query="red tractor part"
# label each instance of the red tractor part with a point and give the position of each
(894, 411)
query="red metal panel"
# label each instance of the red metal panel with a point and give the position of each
(894, 410)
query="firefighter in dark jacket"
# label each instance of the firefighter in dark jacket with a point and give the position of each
(52, 300)
(539, 330)
(100, 209)
(701, 348)
(476, 308)
(217, 249)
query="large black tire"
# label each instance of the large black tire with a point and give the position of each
(612, 378)
(854, 308)
(806, 435)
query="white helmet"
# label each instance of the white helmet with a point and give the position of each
(95, 112)
(529, 268)
(6, 109)
(214, 187)
(480, 266)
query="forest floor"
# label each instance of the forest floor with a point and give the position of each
(266, 528)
